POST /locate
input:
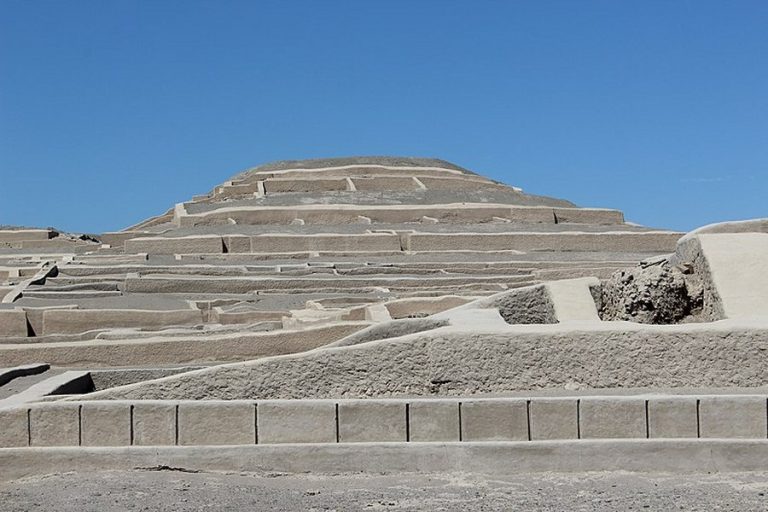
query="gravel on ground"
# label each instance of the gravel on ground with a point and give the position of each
(174, 489)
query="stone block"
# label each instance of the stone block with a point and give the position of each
(672, 417)
(588, 216)
(612, 418)
(372, 421)
(217, 423)
(733, 417)
(105, 424)
(179, 245)
(13, 428)
(154, 423)
(433, 421)
(237, 243)
(296, 422)
(13, 322)
(54, 425)
(494, 420)
(554, 419)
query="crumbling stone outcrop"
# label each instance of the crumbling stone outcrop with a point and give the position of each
(654, 292)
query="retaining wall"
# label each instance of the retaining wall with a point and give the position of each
(367, 170)
(298, 243)
(161, 350)
(118, 238)
(650, 241)
(275, 185)
(195, 423)
(187, 244)
(153, 284)
(18, 235)
(72, 321)
(385, 183)
(449, 213)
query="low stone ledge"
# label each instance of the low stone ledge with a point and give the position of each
(493, 458)
(246, 422)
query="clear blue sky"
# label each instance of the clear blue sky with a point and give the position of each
(112, 111)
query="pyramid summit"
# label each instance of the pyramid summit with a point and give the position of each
(381, 300)
(355, 182)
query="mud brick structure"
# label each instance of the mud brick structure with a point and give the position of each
(443, 319)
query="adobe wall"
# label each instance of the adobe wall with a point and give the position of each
(159, 350)
(450, 362)
(19, 235)
(167, 245)
(451, 213)
(603, 242)
(13, 323)
(299, 243)
(236, 422)
(171, 284)
(72, 321)
(276, 185)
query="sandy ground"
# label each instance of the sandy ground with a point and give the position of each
(170, 490)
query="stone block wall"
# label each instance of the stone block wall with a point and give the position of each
(245, 422)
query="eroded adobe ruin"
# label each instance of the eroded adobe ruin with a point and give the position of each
(407, 279)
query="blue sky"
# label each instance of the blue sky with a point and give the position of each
(111, 111)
